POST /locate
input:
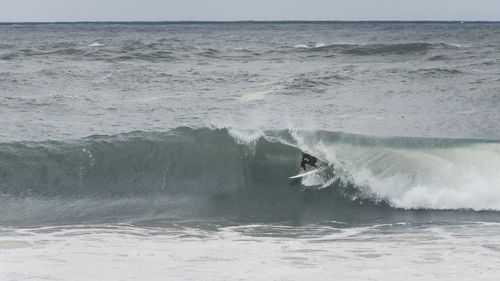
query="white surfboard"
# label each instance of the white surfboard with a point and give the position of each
(303, 174)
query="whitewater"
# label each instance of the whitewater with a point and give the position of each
(162, 151)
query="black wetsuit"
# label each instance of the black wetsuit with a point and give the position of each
(308, 159)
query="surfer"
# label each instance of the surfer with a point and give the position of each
(307, 159)
(311, 161)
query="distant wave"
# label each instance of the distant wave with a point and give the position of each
(133, 50)
(439, 58)
(436, 72)
(165, 50)
(377, 49)
(236, 173)
(302, 46)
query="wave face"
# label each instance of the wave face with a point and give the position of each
(222, 173)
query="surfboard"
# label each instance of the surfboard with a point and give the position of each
(303, 174)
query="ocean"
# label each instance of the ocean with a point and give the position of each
(162, 151)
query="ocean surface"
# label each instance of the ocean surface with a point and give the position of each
(162, 151)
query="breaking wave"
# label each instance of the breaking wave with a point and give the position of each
(238, 174)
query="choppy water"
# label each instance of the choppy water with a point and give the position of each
(71, 81)
(169, 146)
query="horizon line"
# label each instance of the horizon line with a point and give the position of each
(242, 21)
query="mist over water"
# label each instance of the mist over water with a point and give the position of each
(168, 147)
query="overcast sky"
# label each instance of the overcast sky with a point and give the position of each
(229, 10)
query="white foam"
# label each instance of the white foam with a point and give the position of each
(316, 180)
(322, 253)
(245, 136)
(95, 44)
(259, 95)
(301, 46)
(437, 178)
